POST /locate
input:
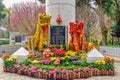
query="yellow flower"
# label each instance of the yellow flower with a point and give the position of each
(35, 62)
(97, 61)
(76, 53)
(100, 62)
(13, 57)
(63, 58)
(83, 56)
(103, 62)
(67, 56)
(72, 54)
(9, 59)
(53, 58)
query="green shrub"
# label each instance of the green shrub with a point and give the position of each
(4, 41)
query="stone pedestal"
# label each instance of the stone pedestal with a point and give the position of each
(64, 8)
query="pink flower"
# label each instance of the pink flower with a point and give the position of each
(16, 65)
(33, 69)
(78, 69)
(87, 69)
(63, 71)
(45, 61)
(40, 70)
(55, 70)
(96, 69)
(41, 61)
(70, 71)
(51, 72)
(75, 70)
(66, 71)
(24, 67)
(39, 55)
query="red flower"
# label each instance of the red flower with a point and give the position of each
(59, 51)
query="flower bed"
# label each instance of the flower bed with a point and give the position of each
(61, 73)
(65, 65)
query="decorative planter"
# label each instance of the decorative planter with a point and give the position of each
(40, 75)
(46, 75)
(103, 72)
(13, 70)
(82, 75)
(29, 74)
(50, 76)
(111, 72)
(71, 75)
(10, 70)
(19, 72)
(23, 72)
(96, 73)
(78, 75)
(86, 74)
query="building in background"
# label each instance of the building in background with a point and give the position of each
(17, 38)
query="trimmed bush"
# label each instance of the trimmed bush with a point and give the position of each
(4, 41)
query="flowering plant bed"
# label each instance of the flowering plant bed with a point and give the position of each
(69, 66)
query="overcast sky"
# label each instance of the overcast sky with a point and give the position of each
(8, 3)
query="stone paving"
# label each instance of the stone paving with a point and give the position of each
(11, 76)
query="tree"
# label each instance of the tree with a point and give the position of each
(116, 29)
(1, 10)
(43, 1)
(117, 2)
(110, 8)
(88, 15)
(102, 7)
(24, 17)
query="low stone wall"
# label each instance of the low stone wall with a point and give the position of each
(8, 49)
(110, 51)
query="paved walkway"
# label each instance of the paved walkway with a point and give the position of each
(11, 76)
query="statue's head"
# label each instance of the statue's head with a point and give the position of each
(44, 19)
